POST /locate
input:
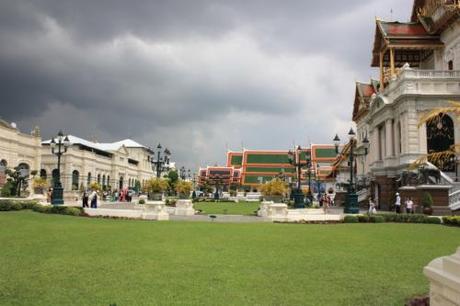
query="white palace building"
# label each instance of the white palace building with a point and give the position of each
(419, 65)
(113, 165)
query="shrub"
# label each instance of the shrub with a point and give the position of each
(350, 219)
(141, 201)
(73, 211)
(275, 187)
(16, 205)
(363, 218)
(376, 219)
(433, 220)
(42, 208)
(427, 200)
(5, 205)
(28, 204)
(184, 188)
(156, 185)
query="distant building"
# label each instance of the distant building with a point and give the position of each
(18, 149)
(248, 169)
(113, 165)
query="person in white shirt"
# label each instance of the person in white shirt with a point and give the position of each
(409, 206)
(372, 209)
(93, 199)
(398, 203)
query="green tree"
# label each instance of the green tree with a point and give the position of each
(17, 182)
(173, 178)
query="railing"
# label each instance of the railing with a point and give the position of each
(416, 81)
(428, 74)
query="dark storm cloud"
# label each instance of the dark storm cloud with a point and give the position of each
(193, 72)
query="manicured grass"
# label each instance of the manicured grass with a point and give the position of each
(229, 208)
(62, 260)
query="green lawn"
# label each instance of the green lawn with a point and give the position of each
(62, 260)
(229, 208)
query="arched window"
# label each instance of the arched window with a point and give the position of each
(3, 165)
(88, 181)
(75, 179)
(99, 179)
(43, 174)
(108, 180)
(103, 181)
(440, 137)
(120, 183)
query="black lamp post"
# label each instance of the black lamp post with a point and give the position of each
(194, 186)
(351, 203)
(294, 160)
(182, 172)
(318, 181)
(58, 147)
(162, 162)
(309, 194)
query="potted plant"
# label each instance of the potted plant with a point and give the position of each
(427, 202)
(275, 190)
(155, 188)
(183, 189)
(39, 184)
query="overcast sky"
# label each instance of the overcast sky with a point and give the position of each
(199, 76)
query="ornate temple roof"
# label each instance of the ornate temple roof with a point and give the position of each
(410, 37)
(363, 94)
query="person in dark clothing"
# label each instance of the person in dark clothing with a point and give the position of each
(85, 199)
(93, 197)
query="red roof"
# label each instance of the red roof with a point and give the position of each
(403, 29)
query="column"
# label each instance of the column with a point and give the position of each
(396, 135)
(392, 62)
(388, 138)
(382, 79)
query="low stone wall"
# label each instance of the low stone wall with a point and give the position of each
(444, 276)
(150, 211)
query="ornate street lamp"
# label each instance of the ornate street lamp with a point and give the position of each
(309, 194)
(182, 172)
(58, 147)
(162, 162)
(351, 203)
(294, 160)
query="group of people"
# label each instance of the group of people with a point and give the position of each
(408, 204)
(325, 201)
(89, 198)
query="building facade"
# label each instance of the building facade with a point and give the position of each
(419, 67)
(117, 165)
(18, 149)
(249, 169)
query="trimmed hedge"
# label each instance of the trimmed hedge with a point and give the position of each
(10, 205)
(399, 218)
(7, 205)
(350, 219)
(376, 219)
(453, 221)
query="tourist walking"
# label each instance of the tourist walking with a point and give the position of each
(84, 199)
(372, 209)
(93, 199)
(409, 206)
(398, 203)
(326, 204)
